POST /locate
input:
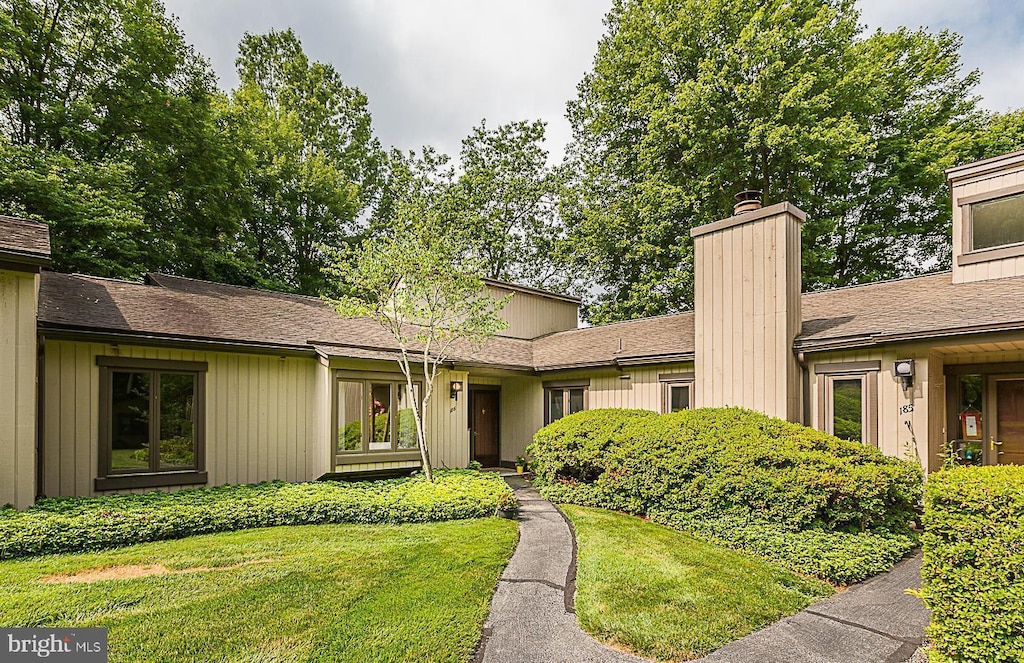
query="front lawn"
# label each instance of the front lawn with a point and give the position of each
(415, 592)
(669, 596)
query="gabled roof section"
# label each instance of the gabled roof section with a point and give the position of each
(178, 309)
(24, 242)
(929, 306)
(664, 338)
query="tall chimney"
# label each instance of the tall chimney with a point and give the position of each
(747, 308)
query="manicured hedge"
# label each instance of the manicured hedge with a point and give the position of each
(781, 490)
(973, 568)
(94, 523)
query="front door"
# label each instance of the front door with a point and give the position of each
(1006, 442)
(483, 426)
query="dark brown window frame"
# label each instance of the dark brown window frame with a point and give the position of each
(867, 372)
(364, 454)
(969, 255)
(121, 480)
(564, 386)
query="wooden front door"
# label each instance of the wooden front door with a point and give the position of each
(483, 426)
(1006, 444)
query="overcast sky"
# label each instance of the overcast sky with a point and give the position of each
(432, 69)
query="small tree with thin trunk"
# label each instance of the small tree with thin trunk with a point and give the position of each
(417, 278)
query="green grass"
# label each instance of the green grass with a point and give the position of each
(415, 592)
(669, 596)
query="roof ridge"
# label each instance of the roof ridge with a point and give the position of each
(617, 322)
(219, 284)
(882, 282)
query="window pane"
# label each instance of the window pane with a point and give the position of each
(129, 421)
(679, 397)
(997, 222)
(177, 420)
(556, 406)
(350, 413)
(380, 416)
(575, 401)
(406, 418)
(848, 409)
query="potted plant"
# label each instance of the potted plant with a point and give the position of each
(520, 464)
(508, 506)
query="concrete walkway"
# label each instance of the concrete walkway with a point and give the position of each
(532, 617)
(873, 622)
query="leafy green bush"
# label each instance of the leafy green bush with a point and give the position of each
(768, 480)
(78, 524)
(973, 567)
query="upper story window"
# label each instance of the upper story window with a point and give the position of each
(374, 414)
(565, 397)
(151, 422)
(996, 222)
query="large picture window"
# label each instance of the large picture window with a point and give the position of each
(563, 398)
(848, 400)
(375, 415)
(151, 423)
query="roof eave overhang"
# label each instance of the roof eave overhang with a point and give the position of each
(23, 260)
(118, 337)
(850, 342)
(620, 362)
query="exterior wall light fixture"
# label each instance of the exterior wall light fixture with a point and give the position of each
(904, 370)
(456, 387)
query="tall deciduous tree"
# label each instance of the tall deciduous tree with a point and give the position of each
(418, 277)
(690, 101)
(110, 133)
(312, 160)
(509, 195)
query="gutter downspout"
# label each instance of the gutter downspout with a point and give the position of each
(805, 397)
(40, 417)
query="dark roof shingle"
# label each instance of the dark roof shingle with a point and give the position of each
(24, 240)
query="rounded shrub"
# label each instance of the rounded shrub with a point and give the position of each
(732, 463)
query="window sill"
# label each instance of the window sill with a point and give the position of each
(994, 253)
(380, 457)
(163, 479)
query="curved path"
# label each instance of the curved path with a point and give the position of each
(532, 617)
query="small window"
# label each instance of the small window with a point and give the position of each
(676, 396)
(374, 416)
(560, 401)
(151, 420)
(998, 222)
(847, 408)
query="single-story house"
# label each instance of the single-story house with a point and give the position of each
(122, 386)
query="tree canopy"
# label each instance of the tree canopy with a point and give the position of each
(690, 101)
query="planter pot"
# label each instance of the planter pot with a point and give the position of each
(520, 469)
(507, 514)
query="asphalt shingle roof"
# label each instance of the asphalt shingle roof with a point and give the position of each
(21, 238)
(175, 307)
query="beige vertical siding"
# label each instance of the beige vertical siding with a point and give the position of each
(18, 300)
(747, 314)
(522, 414)
(531, 315)
(448, 422)
(894, 437)
(262, 418)
(992, 269)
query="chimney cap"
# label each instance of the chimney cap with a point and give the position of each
(748, 200)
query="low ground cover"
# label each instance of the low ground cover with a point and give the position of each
(414, 592)
(971, 569)
(819, 505)
(669, 596)
(83, 524)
